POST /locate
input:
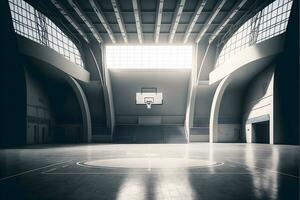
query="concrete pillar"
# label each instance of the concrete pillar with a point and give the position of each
(84, 107)
(215, 108)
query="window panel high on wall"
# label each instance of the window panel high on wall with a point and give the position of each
(143, 56)
(33, 25)
(267, 23)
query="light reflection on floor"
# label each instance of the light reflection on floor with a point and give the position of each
(151, 171)
(264, 181)
(157, 187)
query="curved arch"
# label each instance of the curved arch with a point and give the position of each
(263, 52)
(215, 108)
(84, 107)
(53, 59)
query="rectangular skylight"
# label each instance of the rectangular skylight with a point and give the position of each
(149, 57)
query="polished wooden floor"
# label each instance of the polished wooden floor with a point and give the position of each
(151, 171)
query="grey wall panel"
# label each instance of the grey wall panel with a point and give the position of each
(229, 133)
(173, 119)
(121, 119)
(200, 131)
(231, 107)
(209, 62)
(149, 120)
(172, 83)
(149, 134)
(94, 95)
(131, 119)
(39, 113)
(203, 104)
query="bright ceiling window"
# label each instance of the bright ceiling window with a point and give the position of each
(145, 57)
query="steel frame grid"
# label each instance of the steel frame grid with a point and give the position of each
(27, 22)
(271, 21)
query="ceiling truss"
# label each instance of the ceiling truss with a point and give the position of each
(138, 20)
(151, 21)
(119, 20)
(70, 19)
(194, 19)
(176, 18)
(86, 20)
(103, 20)
(160, 4)
(210, 19)
(227, 19)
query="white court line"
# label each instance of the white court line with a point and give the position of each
(149, 165)
(273, 171)
(143, 173)
(50, 170)
(32, 170)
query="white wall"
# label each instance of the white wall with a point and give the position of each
(259, 102)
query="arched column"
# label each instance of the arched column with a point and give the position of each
(96, 64)
(84, 107)
(215, 108)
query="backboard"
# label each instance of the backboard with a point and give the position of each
(149, 97)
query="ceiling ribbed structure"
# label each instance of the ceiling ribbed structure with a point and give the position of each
(151, 21)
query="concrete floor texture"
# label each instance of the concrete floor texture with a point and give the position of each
(151, 171)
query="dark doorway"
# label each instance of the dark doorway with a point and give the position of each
(43, 135)
(261, 132)
(36, 134)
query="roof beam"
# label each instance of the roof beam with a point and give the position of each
(68, 17)
(119, 20)
(166, 11)
(195, 17)
(176, 18)
(215, 12)
(138, 20)
(151, 24)
(103, 20)
(227, 19)
(160, 5)
(150, 33)
(86, 20)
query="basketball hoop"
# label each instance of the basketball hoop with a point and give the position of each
(149, 97)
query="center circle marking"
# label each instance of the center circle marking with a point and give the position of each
(149, 162)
